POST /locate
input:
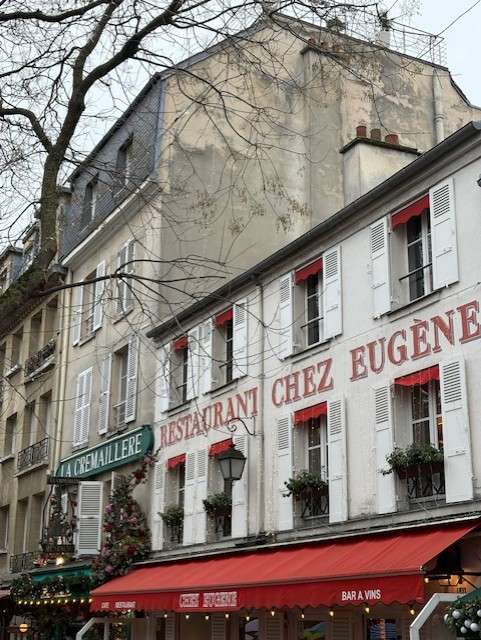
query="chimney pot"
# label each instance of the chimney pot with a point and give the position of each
(376, 134)
(361, 131)
(392, 138)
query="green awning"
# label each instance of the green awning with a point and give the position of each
(472, 596)
(79, 571)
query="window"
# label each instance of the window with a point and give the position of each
(88, 309)
(227, 363)
(314, 630)
(223, 348)
(4, 516)
(317, 446)
(125, 264)
(181, 484)
(3, 280)
(29, 434)
(427, 421)
(16, 352)
(10, 433)
(419, 254)
(21, 529)
(123, 168)
(88, 306)
(44, 414)
(248, 629)
(382, 628)
(35, 333)
(121, 365)
(312, 328)
(90, 201)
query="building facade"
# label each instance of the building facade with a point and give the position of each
(344, 368)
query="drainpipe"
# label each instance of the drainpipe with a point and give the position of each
(260, 417)
(426, 612)
(439, 115)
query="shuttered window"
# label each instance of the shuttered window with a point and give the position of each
(125, 285)
(82, 407)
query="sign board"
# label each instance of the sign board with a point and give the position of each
(108, 455)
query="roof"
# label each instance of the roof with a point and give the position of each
(470, 130)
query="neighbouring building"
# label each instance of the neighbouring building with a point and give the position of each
(345, 368)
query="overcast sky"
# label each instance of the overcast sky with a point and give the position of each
(463, 39)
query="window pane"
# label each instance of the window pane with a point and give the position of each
(312, 308)
(413, 229)
(312, 285)
(421, 432)
(249, 629)
(313, 332)
(420, 401)
(315, 460)
(314, 432)
(381, 629)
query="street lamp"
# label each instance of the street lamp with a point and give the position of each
(232, 463)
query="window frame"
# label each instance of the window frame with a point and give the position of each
(125, 256)
(426, 269)
(122, 367)
(434, 417)
(319, 318)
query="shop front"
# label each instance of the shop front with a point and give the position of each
(367, 586)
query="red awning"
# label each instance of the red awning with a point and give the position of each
(418, 377)
(224, 317)
(411, 211)
(360, 570)
(309, 270)
(219, 447)
(173, 463)
(180, 343)
(303, 415)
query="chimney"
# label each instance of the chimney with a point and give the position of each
(375, 134)
(392, 138)
(361, 131)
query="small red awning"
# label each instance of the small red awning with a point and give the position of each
(180, 343)
(411, 211)
(369, 569)
(224, 317)
(309, 270)
(173, 463)
(303, 415)
(220, 447)
(418, 377)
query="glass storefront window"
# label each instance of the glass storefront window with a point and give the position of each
(381, 629)
(314, 630)
(249, 629)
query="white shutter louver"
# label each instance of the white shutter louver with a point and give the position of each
(240, 492)
(285, 517)
(121, 286)
(89, 518)
(189, 499)
(205, 356)
(384, 439)
(218, 627)
(104, 399)
(443, 234)
(193, 368)
(82, 407)
(131, 391)
(380, 267)
(158, 504)
(332, 303)
(458, 466)
(98, 311)
(240, 339)
(163, 378)
(200, 526)
(336, 433)
(286, 316)
(77, 314)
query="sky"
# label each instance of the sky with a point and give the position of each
(462, 38)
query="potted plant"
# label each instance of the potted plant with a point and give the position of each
(304, 484)
(413, 459)
(218, 504)
(173, 516)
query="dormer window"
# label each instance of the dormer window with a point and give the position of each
(123, 168)
(90, 200)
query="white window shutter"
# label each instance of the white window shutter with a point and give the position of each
(89, 520)
(82, 407)
(206, 334)
(189, 499)
(200, 525)
(380, 267)
(132, 366)
(240, 492)
(286, 316)
(158, 504)
(336, 433)
(218, 627)
(285, 516)
(121, 286)
(99, 296)
(443, 234)
(77, 314)
(170, 626)
(79, 399)
(240, 339)
(331, 274)
(104, 399)
(193, 369)
(163, 378)
(458, 466)
(384, 439)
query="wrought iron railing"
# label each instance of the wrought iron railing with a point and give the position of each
(425, 481)
(21, 562)
(39, 358)
(314, 503)
(33, 455)
(223, 525)
(175, 533)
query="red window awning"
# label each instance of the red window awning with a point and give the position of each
(303, 415)
(418, 377)
(173, 463)
(369, 569)
(224, 317)
(219, 447)
(180, 343)
(411, 211)
(309, 270)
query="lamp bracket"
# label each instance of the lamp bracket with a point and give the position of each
(235, 423)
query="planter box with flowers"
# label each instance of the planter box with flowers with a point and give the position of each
(311, 490)
(218, 507)
(173, 518)
(414, 460)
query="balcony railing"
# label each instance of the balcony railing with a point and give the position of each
(223, 526)
(34, 454)
(40, 358)
(314, 503)
(425, 481)
(23, 561)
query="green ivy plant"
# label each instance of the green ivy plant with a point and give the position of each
(218, 504)
(173, 516)
(412, 456)
(304, 482)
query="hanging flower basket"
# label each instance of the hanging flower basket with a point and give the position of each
(415, 460)
(218, 504)
(304, 484)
